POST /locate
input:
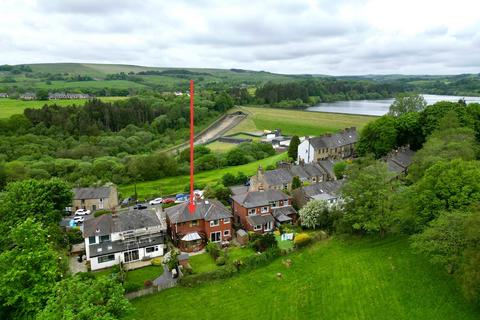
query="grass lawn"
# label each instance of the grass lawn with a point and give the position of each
(202, 263)
(172, 185)
(297, 122)
(9, 107)
(358, 279)
(139, 276)
(220, 147)
(286, 244)
(239, 253)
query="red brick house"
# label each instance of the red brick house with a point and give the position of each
(211, 221)
(262, 211)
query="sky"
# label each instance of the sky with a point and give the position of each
(335, 37)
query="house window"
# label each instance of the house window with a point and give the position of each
(251, 212)
(285, 186)
(216, 236)
(226, 220)
(151, 249)
(226, 233)
(92, 240)
(194, 223)
(268, 226)
(257, 227)
(104, 238)
(131, 255)
(264, 209)
(106, 258)
(214, 223)
(100, 205)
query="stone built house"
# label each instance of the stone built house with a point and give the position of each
(211, 221)
(281, 178)
(339, 145)
(262, 211)
(112, 239)
(328, 191)
(103, 198)
(399, 160)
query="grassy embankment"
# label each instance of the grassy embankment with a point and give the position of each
(360, 279)
(9, 107)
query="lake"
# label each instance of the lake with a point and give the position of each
(378, 107)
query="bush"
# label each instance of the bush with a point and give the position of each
(220, 261)
(255, 261)
(101, 212)
(196, 279)
(263, 242)
(213, 249)
(130, 287)
(74, 236)
(302, 239)
(156, 261)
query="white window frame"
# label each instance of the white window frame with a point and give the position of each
(226, 233)
(226, 220)
(264, 210)
(213, 224)
(257, 229)
(106, 256)
(155, 248)
(254, 212)
(219, 237)
(269, 226)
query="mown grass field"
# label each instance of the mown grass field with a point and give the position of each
(9, 107)
(297, 122)
(357, 279)
(172, 185)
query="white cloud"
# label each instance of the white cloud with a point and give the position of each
(325, 37)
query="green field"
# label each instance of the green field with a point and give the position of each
(172, 185)
(9, 107)
(221, 147)
(360, 279)
(297, 122)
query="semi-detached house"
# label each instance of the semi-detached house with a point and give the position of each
(262, 211)
(124, 237)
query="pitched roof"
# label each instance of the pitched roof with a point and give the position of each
(91, 193)
(204, 210)
(254, 199)
(399, 160)
(307, 171)
(277, 177)
(260, 219)
(282, 213)
(238, 189)
(328, 166)
(342, 138)
(128, 220)
(330, 187)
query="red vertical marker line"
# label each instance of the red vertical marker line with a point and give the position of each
(191, 206)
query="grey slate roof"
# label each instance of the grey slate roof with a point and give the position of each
(345, 137)
(330, 187)
(91, 193)
(328, 166)
(307, 171)
(260, 219)
(255, 199)
(282, 214)
(399, 160)
(238, 189)
(278, 177)
(128, 220)
(204, 210)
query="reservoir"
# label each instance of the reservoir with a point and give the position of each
(378, 107)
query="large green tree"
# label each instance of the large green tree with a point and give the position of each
(85, 297)
(378, 137)
(29, 269)
(368, 195)
(293, 147)
(450, 141)
(407, 102)
(315, 214)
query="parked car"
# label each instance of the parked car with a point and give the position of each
(82, 212)
(168, 200)
(180, 196)
(126, 201)
(78, 219)
(156, 201)
(185, 198)
(139, 206)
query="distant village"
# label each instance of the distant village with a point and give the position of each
(268, 201)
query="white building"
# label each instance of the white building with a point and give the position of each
(124, 237)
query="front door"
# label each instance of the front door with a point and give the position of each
(131, 255)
